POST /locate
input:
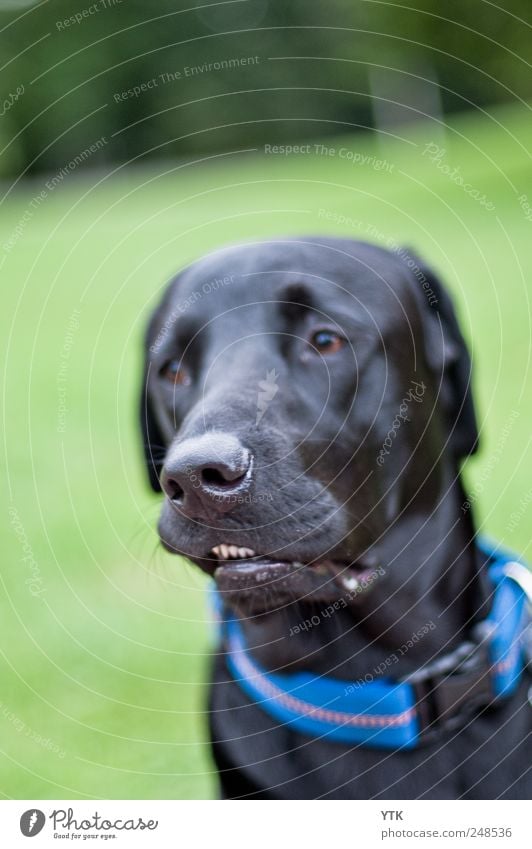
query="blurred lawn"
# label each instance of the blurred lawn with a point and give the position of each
(103, 673)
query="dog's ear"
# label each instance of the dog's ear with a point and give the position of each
(152, 438)
(448, 357)
(153, 441)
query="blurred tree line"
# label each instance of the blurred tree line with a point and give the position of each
(220, 82)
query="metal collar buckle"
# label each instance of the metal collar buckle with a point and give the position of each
(521, 575)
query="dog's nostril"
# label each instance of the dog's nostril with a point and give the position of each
(213, 477)
(173, 490)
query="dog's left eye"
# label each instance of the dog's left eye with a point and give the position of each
(174, 372)
(327, 341)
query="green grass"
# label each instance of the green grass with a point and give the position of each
(103, 674)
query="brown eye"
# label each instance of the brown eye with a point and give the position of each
(327, 341)
(174, 372)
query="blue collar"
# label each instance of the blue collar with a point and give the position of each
(406, 713)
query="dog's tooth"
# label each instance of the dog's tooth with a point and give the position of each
(224, 550)
(216, 550)
(350, 583)
(243, 552)
(248, 552)
(233, 551)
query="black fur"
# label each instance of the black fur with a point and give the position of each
(325, 488)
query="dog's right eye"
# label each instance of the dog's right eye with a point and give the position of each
(327, 341)
(174, 372)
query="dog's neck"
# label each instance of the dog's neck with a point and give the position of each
(431, 594)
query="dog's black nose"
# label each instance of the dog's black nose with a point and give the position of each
(207, 474)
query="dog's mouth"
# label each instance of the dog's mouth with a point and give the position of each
(264, 582)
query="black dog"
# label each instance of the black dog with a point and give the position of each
(305, 409)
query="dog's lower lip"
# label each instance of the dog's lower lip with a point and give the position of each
(236, 579)
(258, 568)
(235, 574)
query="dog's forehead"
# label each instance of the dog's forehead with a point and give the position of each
(357, 276)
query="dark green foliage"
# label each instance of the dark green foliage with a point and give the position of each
(475, 52)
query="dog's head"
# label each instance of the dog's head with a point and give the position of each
(300, 398)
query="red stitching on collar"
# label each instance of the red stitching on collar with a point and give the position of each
(245, 666)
